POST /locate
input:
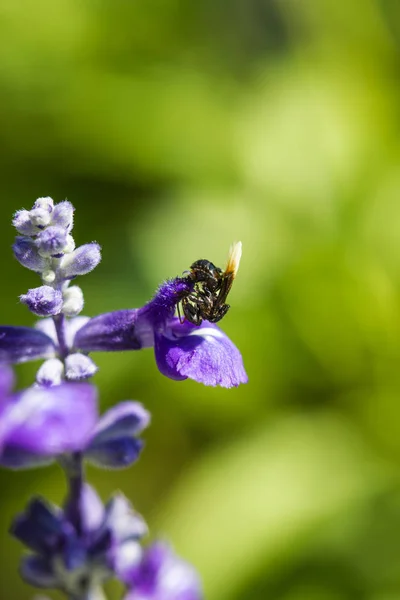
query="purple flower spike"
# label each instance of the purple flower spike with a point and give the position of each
(39, 424)
(203, 353)
(43, 301)
(114, 443)
(20, 344)
(76, 556)
(161, 575)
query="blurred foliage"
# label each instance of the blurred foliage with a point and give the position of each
(176, 127)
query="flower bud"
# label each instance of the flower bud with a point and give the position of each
(26, 252)
(43, 301)
(69, 245)
(73, 301)
(23, 224)
(81, 261)
(50, 372)
(40, 217)
(48, 276)
(46, 203)
(79, 366)
(63, 215)
(51, 241)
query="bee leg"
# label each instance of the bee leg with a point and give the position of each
(203, 301)
(219, 313)
(181, 320)
(192, 313)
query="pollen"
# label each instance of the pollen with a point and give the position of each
(235, 253)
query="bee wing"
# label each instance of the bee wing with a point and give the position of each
(234, 256)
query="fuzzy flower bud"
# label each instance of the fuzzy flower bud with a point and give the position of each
(69, 244)
(48, 276)
(50, 372)
(40, 217)
(26, 252)
(73, 301)
(46, 203)
(23, 224)
(51, 241)
(43, 301)
(63, 215)
(81, 261)
(79, 366)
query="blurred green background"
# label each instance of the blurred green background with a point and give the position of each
(176, 127)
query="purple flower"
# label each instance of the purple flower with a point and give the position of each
(42, 424)
(161, 575)
(203, 353)
(76, 553)
(182, 350)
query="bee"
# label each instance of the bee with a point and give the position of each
(207, 300)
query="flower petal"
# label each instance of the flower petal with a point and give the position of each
(115, 454)
(47, 422)
(20, 344)
(123, 420)
(203, 353)
(6, 381)
(38, 572)
(161, 575)
(15, 458)
(39, 526)
(111, 331)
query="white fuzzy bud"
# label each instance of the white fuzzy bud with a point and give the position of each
(48, 276)
(46, 203)
(50, 372)
(79, 366)
(73, 301)
(69, 245)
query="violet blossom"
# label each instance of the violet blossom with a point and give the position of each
(43, 424)
(182, 350)
(161, 575)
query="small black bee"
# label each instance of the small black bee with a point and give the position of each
(211, 287)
